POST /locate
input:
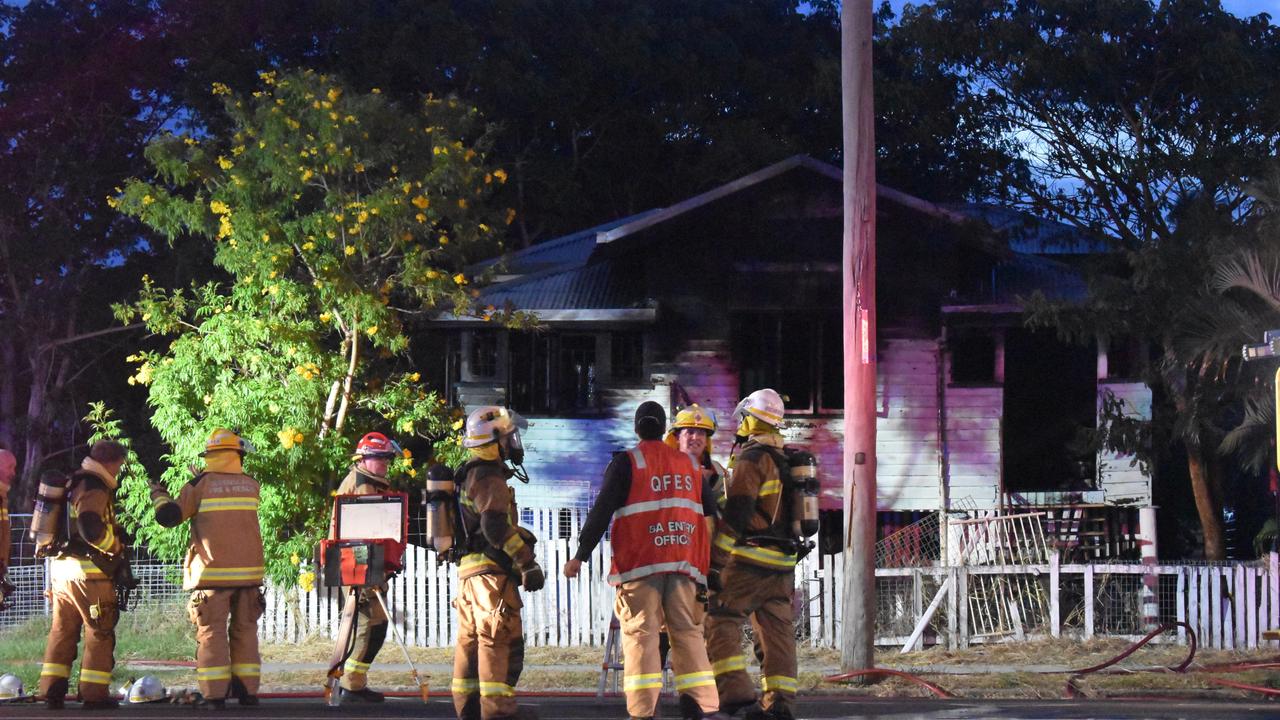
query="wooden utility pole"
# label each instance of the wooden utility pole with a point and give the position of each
(857, 642)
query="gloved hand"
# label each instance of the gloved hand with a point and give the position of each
(532, 578)
(714, 583)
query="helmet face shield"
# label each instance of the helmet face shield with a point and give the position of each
(513, 446)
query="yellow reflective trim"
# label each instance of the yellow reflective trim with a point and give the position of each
(246, 669)
(220, 672)
(765, 555)
(55, 670)
(513, 545)
(771, 683)
(644, 681)
(770, 487)
(356, 666)
(475, 560)
(465, 685)
(233, 573)
(228, 503)
(733, 663)
(496, 689)
(695, 679)
(96, 677)
(91, 570)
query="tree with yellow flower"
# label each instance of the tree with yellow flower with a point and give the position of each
(323, 209)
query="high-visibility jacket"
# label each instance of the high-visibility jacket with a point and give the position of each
(755, 479)
(495, 542)
(226, 542)
(661, 528)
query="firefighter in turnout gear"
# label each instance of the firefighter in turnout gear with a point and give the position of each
(496, 559)
(753, 569)
(8, 468)
(81, 585)
(367, 477)
(223, 568)
(662, 510)
(691, 433)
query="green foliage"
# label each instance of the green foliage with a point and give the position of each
(336, 216)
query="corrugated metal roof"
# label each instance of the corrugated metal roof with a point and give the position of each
(1027, 233)
(565, 251)
(1022, 274)
(597, 285)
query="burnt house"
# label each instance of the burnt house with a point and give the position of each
(739, 288)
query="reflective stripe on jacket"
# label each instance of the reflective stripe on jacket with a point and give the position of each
(661, 528)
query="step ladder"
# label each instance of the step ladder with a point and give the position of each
(611, 665)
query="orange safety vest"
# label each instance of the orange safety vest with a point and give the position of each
(661, 528)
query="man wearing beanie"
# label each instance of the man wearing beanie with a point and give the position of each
(661, 510)
(82, 591)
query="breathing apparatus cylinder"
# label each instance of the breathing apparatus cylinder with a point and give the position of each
(805, 487)
(440, 490)
(51, 498)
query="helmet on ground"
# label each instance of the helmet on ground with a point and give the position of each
(489, 424)
(765, 405)
(223, 439)
(376, 445)
(10, 687)
(145, 689)
(692, 417)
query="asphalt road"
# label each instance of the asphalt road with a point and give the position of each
(549, 708)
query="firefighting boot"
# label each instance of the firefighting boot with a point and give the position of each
(691, 710)
(242, 693)
(363, 694)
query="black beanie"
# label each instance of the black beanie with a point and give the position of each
(651, 420)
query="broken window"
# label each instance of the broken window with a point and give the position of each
(484, 353)
(973, 356)
(798, 353)
(553, 372)
(626, 356)
(576, 371)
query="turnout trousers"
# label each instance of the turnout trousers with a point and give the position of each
(91, 605)
(489, 657)
(765, 597)
(226, 651)
(642, 607)
(371, 632)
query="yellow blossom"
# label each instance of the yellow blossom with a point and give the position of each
(457, 424)
(444, 239)
(372, 330)
(219, 207)
(460, 279)
(325, 317)
(287, 437)
(511, 215)
(349, 250)
(433, 274)
(268, 78)
(359, 167)
(307, 175)
(421, 202)
(237, 150)
(413, 473)
(501, 175)
(362, 217)
(221, 89)
(224, 227)
(294, 558)
(469, 154)
(406, 453)
(484, 228)
(415, 377)
(462, 203)
(147, 199)
(308, 245)
(112, 202)
(334, 94)
(420, 218)
(488, 178)
(224, 163)
(376, 91)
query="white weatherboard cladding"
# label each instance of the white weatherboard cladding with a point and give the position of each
(1121, 482)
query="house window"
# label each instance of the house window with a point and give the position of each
(484, 354)
(800, 354)
(626, 355)
(576, 371)
(553, 372)
(973, 358)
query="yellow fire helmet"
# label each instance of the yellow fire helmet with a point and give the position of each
(223, 439)
(691, 417)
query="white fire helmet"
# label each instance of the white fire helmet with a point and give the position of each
(10, 687)
(766, 405)
(491, 423)
(147, 688)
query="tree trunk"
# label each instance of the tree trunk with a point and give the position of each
(1208, 505)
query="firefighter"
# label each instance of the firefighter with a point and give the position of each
(8, 468)
(367, 477)
(81, 585)
(691, 433)
(497, 559)
(223, 568)
(662, 510)
(753, 569)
